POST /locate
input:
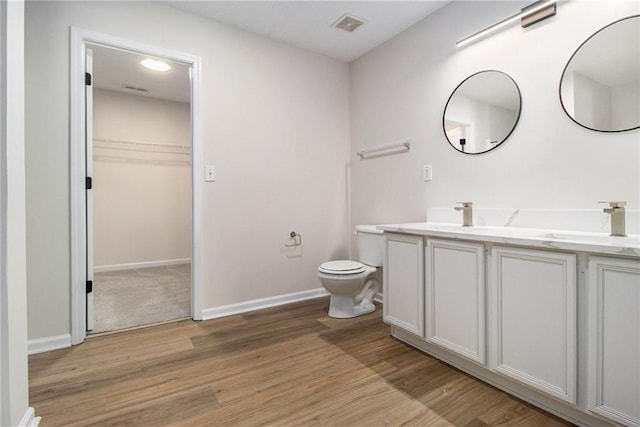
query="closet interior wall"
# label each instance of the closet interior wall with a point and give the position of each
(142, 172)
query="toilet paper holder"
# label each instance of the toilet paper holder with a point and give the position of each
(296, 238)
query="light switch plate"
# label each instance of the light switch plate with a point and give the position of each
(210, 173)
(427, 173)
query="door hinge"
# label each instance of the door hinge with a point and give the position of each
(89, 183)
(89, 286)
(87, 79)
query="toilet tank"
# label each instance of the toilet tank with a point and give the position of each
(370, 245)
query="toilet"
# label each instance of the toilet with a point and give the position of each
(353, 284)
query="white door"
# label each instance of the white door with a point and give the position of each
(614, 339)
(89, 169)
(533, 319)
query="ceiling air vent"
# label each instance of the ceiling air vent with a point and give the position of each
(137, 89)
(348, 23)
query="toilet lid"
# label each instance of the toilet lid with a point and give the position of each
(342, 267)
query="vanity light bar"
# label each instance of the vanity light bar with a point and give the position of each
(527, 12)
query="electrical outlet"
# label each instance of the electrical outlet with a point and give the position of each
(427, 173)
(210, 173)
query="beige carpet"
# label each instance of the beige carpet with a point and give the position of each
(128, 298)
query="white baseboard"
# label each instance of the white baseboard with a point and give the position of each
(29, 419)
(135, 265)
(257, 304)
(40, 345)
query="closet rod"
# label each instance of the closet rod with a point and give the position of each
(146, 144)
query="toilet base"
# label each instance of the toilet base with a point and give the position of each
(341, 307)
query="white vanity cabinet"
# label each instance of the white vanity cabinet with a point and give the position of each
(614, 339)
(403, 284)
(533, 319)
(552, 317)
(455, 297)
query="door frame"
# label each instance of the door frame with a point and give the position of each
(78, 40)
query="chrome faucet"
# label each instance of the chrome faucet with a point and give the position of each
(616, 210)
(467, 213)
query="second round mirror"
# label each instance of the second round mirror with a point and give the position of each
(600, 86)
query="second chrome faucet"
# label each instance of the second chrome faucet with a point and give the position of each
(467, 213)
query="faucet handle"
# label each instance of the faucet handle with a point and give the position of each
(466, 204)
(619, 204)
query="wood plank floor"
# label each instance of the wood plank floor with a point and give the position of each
(285, 366)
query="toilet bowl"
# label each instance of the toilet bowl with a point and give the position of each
(352, 284)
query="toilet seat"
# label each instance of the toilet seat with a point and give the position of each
(342, 267)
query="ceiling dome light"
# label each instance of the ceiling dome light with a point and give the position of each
(155, 65)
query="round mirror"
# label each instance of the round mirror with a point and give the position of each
(482, 112)
(600, 86)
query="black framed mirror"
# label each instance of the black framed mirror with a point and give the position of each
(600, 85)
(482, 112)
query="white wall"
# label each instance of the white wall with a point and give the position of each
(400, 89)
(625, 108)
(592, 102)
(142, 199)
(500, 121)
(275, 126)
(14, 391)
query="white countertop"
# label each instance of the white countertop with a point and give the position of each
(600, 243)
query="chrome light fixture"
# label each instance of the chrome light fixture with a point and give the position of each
(531, 14)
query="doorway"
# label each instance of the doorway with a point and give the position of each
(140, 157)
(112, 158)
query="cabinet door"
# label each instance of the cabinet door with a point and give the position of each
(454, 277)
(614, 339)
(404, 282)
(533, 319)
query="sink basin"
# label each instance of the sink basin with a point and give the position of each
(593, 238)
(446, 227)
(483, 230)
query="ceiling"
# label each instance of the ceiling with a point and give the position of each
(305, 24)
(113, 69)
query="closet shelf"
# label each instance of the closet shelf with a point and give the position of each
(120, 144)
